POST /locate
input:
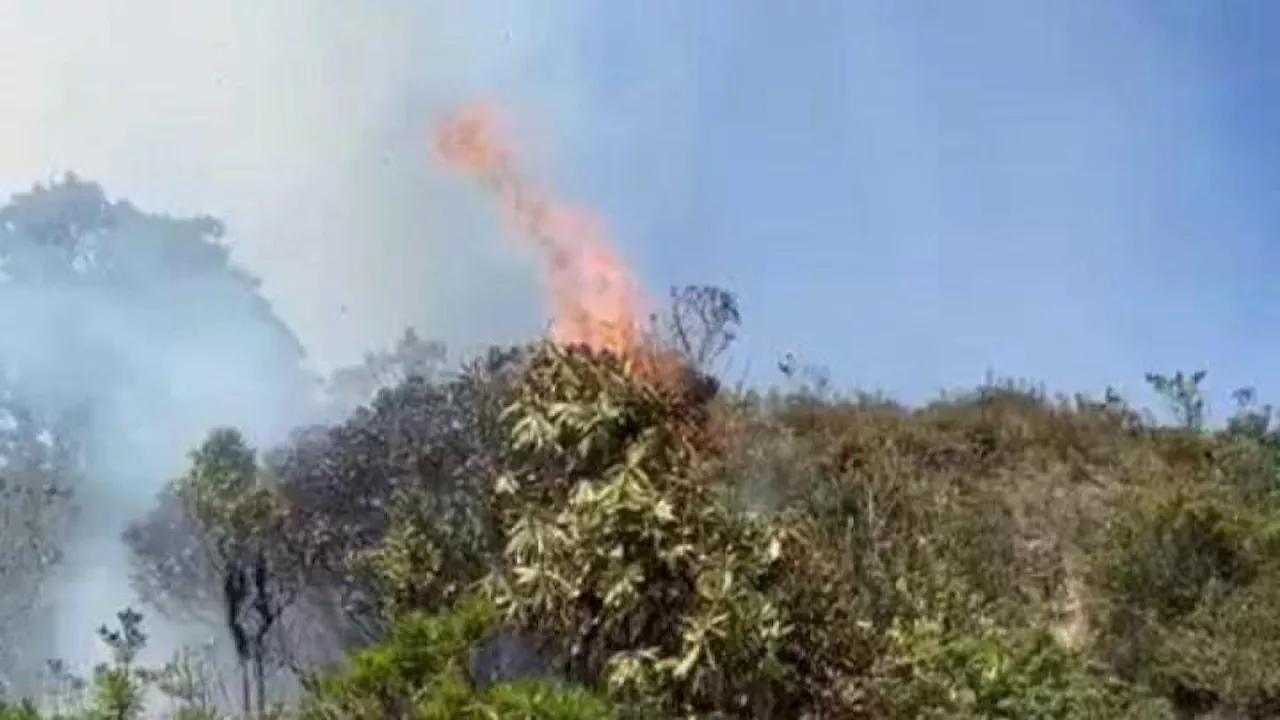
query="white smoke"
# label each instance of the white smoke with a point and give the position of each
(305, 126)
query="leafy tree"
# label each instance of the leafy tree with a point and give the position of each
(620, 552)
(242, 569)
(108, 290)
(105, 372)
(1184, 395)
(172, 568)
(407, 475)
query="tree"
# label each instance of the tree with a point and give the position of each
(37, 473)
(228, 559)
(411, 358)
(620, 552)
(107, 290)
(421, 455)
(1183, 394)
(109, 366)
(701, 323)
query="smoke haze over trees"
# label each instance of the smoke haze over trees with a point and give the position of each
(562, 530)
(125, 336)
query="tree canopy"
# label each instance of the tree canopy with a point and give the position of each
(127, 335)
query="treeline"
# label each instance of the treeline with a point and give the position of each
(554, 532)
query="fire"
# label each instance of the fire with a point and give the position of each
(594, 299)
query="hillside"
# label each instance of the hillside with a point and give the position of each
(556, 532)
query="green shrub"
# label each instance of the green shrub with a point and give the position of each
(25, 710)
(421, 673)
(951, 659)
(1188, 606)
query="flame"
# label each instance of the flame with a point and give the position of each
(594, 298)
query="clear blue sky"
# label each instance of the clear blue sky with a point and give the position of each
(912, 192)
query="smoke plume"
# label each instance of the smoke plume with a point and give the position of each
(300, 125)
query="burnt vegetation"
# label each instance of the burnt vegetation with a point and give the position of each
(559, 532)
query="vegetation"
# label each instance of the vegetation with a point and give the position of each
(553, 531)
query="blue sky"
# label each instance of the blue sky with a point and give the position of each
(911, 193)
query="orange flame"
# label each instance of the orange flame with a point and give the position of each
(595, 300)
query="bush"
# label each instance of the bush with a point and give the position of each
(951, 659)
(1189, 602)
(620, 541)
(422, 673)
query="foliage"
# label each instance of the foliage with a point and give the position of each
(118, 685)
(617, 546)
(187, 682)
(561, 532)
(408, 473)
(233, 563)
(1190, 580)
(115, 318)
(950, 658)
(24, 710)
(634, 543)
(422, 673)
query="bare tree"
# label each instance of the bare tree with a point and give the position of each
(701, 323)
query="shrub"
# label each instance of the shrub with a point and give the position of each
(422, 673)
(1188, 600)
(951, 658)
